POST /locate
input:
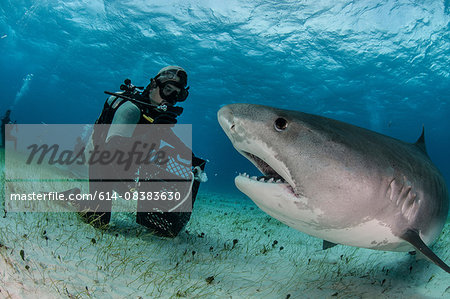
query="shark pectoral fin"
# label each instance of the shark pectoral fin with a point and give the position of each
(415, 240)
(326, 245)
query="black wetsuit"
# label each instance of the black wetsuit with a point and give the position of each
(5, 120)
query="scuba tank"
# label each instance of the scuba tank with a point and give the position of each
(152, 114)
(161, 114)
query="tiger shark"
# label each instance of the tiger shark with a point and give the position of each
(339, 182)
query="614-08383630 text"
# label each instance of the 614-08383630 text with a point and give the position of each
(56, 196)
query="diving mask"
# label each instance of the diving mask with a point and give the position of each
(172, 84)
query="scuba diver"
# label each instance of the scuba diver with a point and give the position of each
(6, 134)
(124, 115)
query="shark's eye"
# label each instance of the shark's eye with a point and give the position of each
(280, 124)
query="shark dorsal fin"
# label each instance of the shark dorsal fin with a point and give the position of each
(420, 143)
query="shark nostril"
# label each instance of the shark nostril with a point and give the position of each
(232, 127)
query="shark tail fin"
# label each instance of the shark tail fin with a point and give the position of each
(413, 237)
(420, 143)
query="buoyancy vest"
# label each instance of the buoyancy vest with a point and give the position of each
(149, 114)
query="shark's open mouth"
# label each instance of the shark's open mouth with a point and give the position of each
(270, 174)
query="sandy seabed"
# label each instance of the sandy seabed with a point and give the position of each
(229, 249)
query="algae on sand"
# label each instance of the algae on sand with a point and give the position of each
(63, 256)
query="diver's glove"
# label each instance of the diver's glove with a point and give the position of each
(199, 174)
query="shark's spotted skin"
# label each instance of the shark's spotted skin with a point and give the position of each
(339, 182)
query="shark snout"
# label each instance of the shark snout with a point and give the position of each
(226, 119)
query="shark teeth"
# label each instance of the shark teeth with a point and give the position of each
(263, 179)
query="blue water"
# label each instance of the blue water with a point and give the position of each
(382, 65)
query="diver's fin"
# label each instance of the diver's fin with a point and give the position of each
(420, 143)
(326, 245)
(415, 240)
